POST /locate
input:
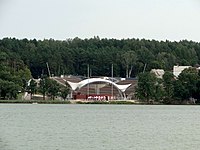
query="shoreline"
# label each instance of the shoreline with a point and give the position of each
(113, 102)
(66, 102)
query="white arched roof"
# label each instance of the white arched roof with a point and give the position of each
(79, 85)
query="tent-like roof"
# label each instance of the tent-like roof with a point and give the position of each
(79, 85)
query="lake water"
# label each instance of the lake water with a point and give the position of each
(99, 127)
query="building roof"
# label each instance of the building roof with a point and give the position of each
(76, 86)
(158, 72)
(178, 69)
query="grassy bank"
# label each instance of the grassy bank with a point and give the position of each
(35, 101)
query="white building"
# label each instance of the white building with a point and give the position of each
(178, 69)
(158, 72)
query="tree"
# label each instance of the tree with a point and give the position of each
(159, 91)
(168, 83)
(166, 60)
(64, 91)
(71, 56)
(8, 89)
(53, 88)
(11, 81)
(197, 93)
(180, 91)
(49, 87)
(129, 59)
(145, 56)
(147, 85)
(32, 87)
(43, 86)
(186, 85)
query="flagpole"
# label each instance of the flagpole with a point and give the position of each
(112, 81)
(88, 87)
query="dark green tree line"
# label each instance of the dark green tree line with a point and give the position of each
(128, 56)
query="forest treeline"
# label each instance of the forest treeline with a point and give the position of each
(22, 59)
(128, 56)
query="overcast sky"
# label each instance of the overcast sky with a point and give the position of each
(62, 19)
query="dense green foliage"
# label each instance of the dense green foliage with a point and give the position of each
(184, 89)
(128, 56)
(13, 75)
(36, 101)
(64, 91)
(19, 59)
(52, 89)
(149, 87)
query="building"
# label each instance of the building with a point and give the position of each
(99, 88)
(178, 69)
(158, 72)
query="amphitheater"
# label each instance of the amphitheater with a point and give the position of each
(98, 88)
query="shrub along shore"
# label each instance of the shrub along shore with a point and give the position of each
(34, 102)
(119, 102)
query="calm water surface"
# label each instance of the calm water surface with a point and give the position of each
(99, 127)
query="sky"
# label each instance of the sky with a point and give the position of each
(172, 20)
